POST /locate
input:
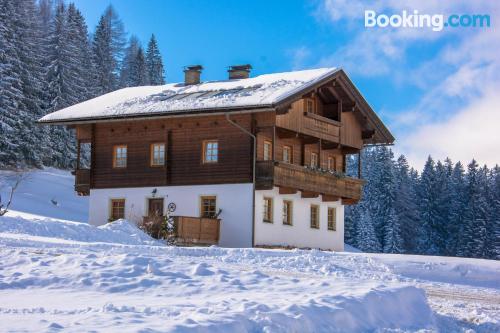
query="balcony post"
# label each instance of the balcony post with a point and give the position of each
(78, 144)
(359, 164)
(319, 153)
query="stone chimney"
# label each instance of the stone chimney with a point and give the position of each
(239, 71)
(192, 74)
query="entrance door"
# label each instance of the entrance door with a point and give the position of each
(155, 207)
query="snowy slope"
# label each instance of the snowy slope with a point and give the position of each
(58, 275)
(49, 193)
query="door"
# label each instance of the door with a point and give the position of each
(155, 207)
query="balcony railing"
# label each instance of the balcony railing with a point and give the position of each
(82, 181)
(310, 124)
(273, 173)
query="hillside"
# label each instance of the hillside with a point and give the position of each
(62, 275)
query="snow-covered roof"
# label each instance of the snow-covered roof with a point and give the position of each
(257, 92)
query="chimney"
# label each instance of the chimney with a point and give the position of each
(239, 71)
(192, 74)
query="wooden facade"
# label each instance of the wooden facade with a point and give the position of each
(301, 146)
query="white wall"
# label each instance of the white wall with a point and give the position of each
(299, 234)
(235, 200)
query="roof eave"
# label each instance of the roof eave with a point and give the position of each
(166, 114)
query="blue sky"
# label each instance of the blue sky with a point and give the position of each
(427, 86)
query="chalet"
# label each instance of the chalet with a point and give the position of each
(259, 161)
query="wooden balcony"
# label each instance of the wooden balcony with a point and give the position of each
(82, 181)
(310, 124)
(310, 182)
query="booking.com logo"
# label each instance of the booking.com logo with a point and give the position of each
(415, 20)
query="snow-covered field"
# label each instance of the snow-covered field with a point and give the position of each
(58, 275)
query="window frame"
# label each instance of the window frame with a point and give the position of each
(315, 159)
(210, 197)
(152, 157)
(332, 224)
(312, 102)
(268, 210)
(290, 154)
(115, 156)
(205, 151)
(111, 208)
(333, 165)
(269, 144)
(315, 209)
(289, 216)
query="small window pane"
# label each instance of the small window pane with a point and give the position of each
(314, 160)
(120, 157)
(117, 209)
(287, 154)
(332, 219)
(211, 152)
(287, 212)
(208, 207)
(158, 154)
(268, 210)
(267, 150)
(314, 217)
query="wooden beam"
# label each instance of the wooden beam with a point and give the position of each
(307, 194)
(283, 109)
(347, 201)
(367, 134)
(274, 143)
(359, 164)
(327, 198)
(287, 190)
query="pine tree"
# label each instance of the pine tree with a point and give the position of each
(108, 44)
(366, 239)
(154, 63)
(140, 69)
(128, 62)
(475, 215)
(428, 207)
(457, 207)
(493, 241)
(405, 204)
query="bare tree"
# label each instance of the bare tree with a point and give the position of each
(11, 181)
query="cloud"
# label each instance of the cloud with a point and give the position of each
(456, 81)
(471, 133)
(299, 56)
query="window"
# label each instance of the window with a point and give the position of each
(287, 212)
(331, 163)
(208, 207)
(332, 219)
(310, 106)
(287, 154)
(157, 154)
(314, 160)
(268, 150)
(314, 216)
(120, 156)
(268, 210)
(117, 209)
(210, 151)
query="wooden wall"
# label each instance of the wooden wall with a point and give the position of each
(183, 138)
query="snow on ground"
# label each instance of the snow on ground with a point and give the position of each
(58, 275)
(50, 193)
